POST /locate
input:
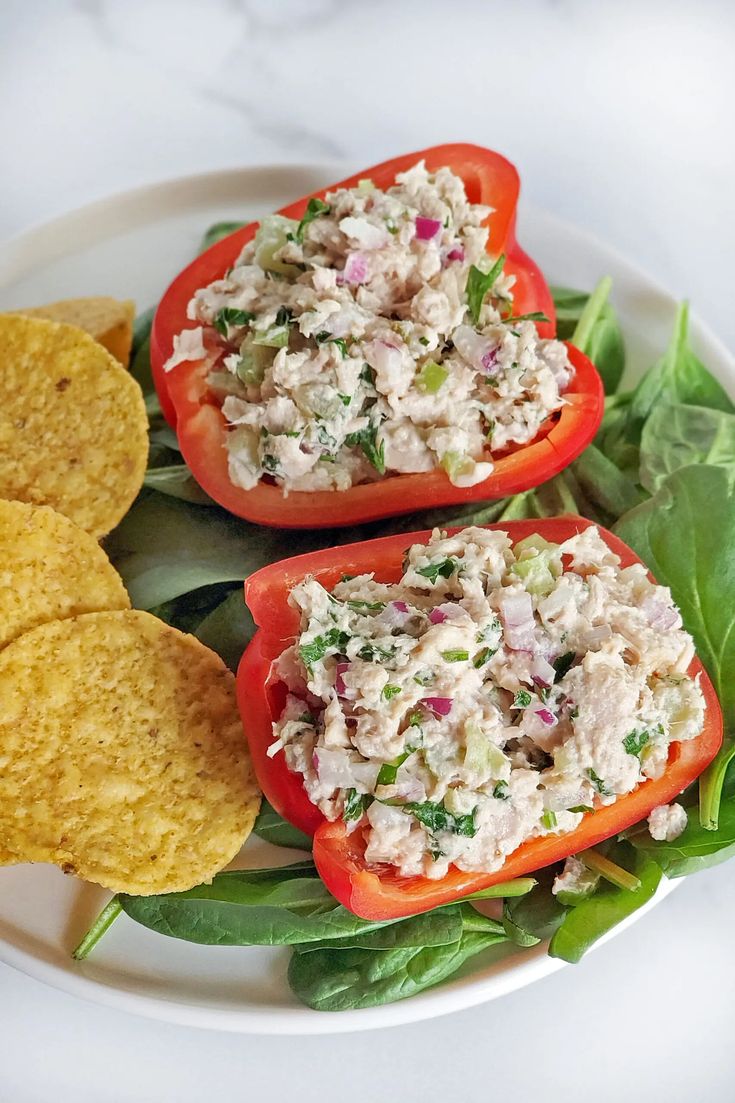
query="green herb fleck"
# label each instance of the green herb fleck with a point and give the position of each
(231, 316)
(443, 569)
(479, 284)
(355, 804)
(522, 699)
(390, 691)
(314, 208)
(598, 783)
(635, 741)
(500, 792)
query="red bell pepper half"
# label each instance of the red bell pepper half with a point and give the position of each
(378, 892)
(201, 428)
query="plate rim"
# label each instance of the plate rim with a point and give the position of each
(462, 993)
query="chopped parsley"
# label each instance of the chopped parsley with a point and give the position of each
(231, 316)
(562, 664)
(455, 656)
(371, 652)
(435, 817)
(635, 741)
(424, 677)
(333, 640)
(534, 316)
(389, 770)
(522, 699)
(374, 451)
(314, 208)
(445, 568)
(355, 804)
(369, 606)
(581, 808)
(390, 691)
(500, 792)
(479, 284)
(598, 783)
(325, 338)
(482, 657)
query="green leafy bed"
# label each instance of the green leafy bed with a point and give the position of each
(661, 473)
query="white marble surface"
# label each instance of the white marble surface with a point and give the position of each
(619, 117)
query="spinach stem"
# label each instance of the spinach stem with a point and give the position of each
(102, 923)
(710, 787)
(613, 873)
(590, 314)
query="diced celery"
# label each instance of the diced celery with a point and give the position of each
(456, 464)
(253, 363)
(481, 755)
(537, 564)
(275, 337)
(431, 377)
(270, 237)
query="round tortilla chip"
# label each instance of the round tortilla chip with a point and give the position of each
(50, 569)
(122, 754)
(73, 425)
(107, 320)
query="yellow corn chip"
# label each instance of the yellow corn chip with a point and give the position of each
(73, 425)
(122, 755)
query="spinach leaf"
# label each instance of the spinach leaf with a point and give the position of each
(227, 629)
(676, 435)
(274, 829)
(164, 547)
(696, 848)
(604, 484)
(686, 534)
(140, 351)
(534, 917)
(677, 377)
(589, 920)
(339, 979)
(178, 482)
(217, 231)
(435, 928)
(271, 907)
(602, 335)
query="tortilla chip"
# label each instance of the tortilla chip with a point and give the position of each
(108, 321)
(122, 754)
(73, 425)
(50, 569)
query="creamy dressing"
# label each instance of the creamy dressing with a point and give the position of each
(342, 347)
(494, 694)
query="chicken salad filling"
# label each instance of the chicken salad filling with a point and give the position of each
(494, 694)
(374, 336)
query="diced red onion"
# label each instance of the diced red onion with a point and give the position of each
(546, 716)
(436, 616)
(659, 614)
(489, 359)
(516, 612)
(383, 357)
(427, 228)
(339, 684)
(596, 635)
(542, 672)
(355, 269)
(479, 352)
(456, 253)
(395, 614)
(440, 706)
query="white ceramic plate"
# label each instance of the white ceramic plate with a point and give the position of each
(130, 246)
